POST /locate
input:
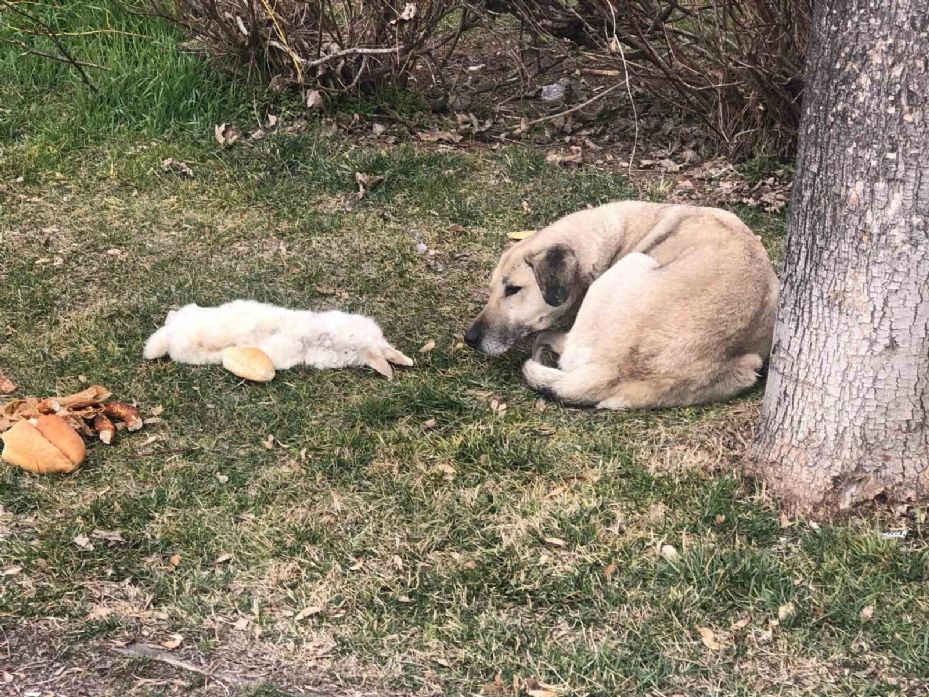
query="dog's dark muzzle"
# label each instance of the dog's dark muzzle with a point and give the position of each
(475, 335)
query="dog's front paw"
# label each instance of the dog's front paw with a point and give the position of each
(545, 355)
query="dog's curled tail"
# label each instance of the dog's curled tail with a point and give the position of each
(157, 344)
(582, 387)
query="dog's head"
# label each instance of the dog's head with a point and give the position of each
(530, 290)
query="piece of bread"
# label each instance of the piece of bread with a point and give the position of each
(248, 363)
(57, 431)
(26, 447)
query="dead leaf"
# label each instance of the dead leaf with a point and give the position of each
(174, 561)
(554, 541)
(720, 519)
(366, 182)
(708, 637)
(226, 134)
(241, 624)
(497, 407)
(497, 688)
(740, 624)
(149, 440)
(108, 535)
(409, 12)
(11, 571)
(786, 611)
(270, 121)
(268, 442)
(867, 612)
(307, 612)
(439, 137)
(447, 470)
(609, 570)
(7, 386)
(314, 99)
(157, 411)
(429, 425)
(576, 157)
(83, 542)
(172, 643)
(520, 234)
(222, 558)
(98, 612)
(670, 553)
(428, 346)
(178, 168)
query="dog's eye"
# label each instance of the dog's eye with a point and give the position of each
(511, 290)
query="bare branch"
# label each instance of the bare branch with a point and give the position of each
(49, 32)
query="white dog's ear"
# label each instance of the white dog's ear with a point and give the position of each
(379, 363)
(394, 356)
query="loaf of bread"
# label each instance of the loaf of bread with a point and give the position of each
(248, 363)
(50, 445)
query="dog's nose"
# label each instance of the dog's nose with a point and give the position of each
(474, 334)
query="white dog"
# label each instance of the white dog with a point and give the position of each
(333, 339)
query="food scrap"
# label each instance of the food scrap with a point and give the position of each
(44, 435)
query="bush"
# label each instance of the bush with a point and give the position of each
(735, 64)
(330, 45)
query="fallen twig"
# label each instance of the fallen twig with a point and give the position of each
(159, 453)
(144, 651)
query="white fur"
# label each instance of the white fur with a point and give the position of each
(333, 339)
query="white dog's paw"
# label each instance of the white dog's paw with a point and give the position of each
(158, 345)
(395, 357)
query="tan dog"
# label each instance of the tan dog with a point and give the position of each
(658, 306)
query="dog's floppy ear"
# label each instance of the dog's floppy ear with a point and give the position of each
(379, 363)
(555, 271)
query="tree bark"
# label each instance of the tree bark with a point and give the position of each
(844, 418)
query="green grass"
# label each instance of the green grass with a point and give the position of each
(524, 544)
(144, 86)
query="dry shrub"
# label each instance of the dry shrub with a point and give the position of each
(329, 45)
(735, 64)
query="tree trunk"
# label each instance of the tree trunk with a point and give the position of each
(844, 418)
